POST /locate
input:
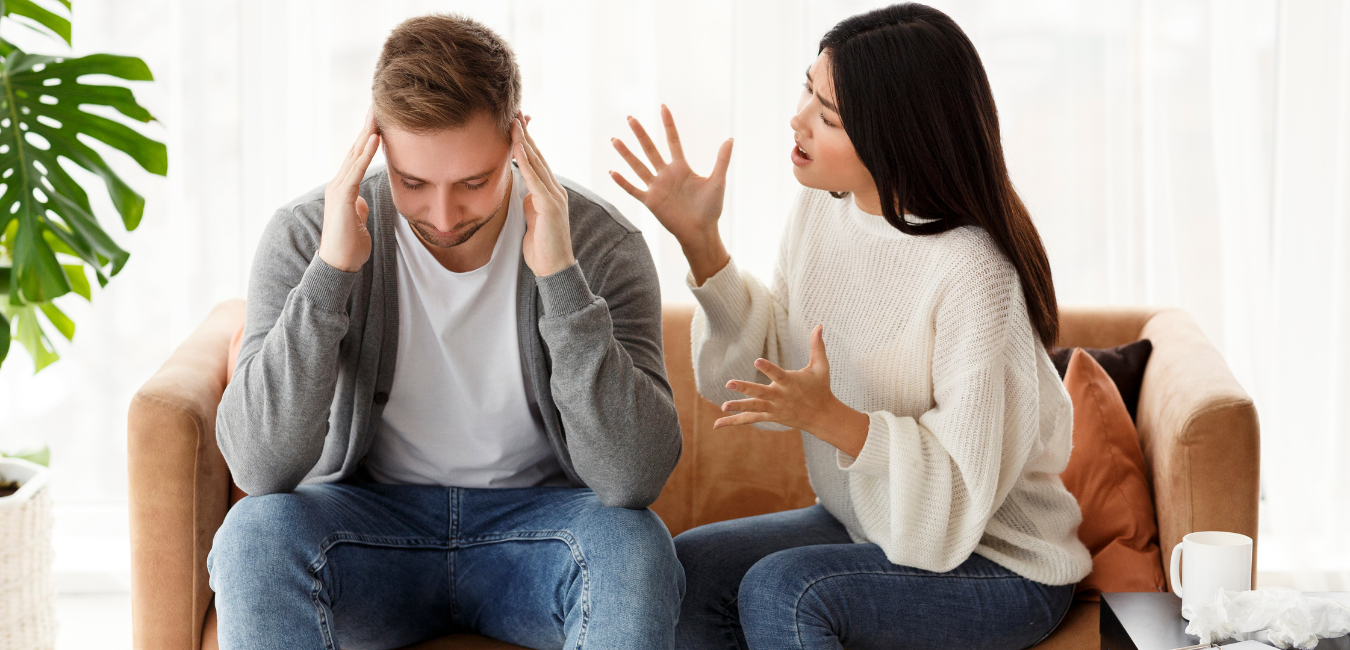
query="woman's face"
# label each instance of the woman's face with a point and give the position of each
(823, 157)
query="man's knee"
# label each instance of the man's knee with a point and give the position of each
(260, 535)
(633, 546)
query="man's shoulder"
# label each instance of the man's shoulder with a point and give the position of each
(593, 216)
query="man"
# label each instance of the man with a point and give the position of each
(450, 409)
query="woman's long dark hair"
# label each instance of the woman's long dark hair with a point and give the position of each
(915, 101)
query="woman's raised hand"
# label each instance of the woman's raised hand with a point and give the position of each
(687, 204)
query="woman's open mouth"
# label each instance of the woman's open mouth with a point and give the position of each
(799, 156)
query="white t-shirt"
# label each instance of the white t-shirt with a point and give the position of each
(459, 413)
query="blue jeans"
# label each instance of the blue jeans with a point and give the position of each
(367, 565)
(795, 579)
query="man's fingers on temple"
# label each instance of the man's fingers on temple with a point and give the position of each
(358, 168)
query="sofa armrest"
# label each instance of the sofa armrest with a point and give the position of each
(1199, 432)
(178, 485)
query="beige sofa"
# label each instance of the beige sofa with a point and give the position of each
(1198, 428)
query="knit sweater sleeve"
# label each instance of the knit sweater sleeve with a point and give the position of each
(738, 320)
(925, 489)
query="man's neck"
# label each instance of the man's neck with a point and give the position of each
(477, 252)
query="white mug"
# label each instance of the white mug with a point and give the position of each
(1214, 561)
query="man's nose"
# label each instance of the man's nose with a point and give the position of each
(443, 214)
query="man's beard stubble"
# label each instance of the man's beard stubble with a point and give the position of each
(432, 236)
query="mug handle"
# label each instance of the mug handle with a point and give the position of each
(1175, 573)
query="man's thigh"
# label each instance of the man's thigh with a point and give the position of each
(356, 566)
(553, 567)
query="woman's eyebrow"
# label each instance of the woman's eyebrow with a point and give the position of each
(823, 101)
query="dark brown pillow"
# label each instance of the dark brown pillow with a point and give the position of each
(1124, 363)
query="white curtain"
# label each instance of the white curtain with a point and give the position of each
(1175, 152)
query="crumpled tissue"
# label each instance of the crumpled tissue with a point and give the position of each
(1281, 617)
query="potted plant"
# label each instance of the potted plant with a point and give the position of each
(27, 586)
(50, 240)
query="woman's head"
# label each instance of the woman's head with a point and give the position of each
(911, 100)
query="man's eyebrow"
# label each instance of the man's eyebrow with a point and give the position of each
(482, 174)
(406, 175)
(824, 102)
(415, 179)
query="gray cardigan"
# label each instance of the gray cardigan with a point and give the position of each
(319, 348)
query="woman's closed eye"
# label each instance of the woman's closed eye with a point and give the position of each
(807, 85)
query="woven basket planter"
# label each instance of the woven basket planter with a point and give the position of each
(27, 586)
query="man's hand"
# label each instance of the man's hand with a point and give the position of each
(800, 399)
(548, 236)
(344, 243)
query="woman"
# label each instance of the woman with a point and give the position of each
(936, 430)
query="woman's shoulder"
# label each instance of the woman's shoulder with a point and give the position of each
(969, 261)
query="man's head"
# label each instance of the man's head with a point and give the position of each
(445, 93)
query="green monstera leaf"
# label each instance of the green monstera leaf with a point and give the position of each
(44, 212)
(36, 16)
(41, 117)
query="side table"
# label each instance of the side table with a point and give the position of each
(1152, 621)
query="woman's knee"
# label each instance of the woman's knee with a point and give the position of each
(780, 595)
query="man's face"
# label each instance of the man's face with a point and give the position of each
(449, 184)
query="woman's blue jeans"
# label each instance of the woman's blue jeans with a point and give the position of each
(795, 580)
(367, 565)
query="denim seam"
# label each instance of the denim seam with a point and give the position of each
(577, 556)
(452, 519)
(369, 540)
(796, 606)
(1063, 615)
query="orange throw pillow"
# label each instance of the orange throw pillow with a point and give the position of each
(1106, 475)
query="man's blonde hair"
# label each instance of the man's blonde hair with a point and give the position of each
(436, 72)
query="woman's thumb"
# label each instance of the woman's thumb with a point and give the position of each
(818, 348)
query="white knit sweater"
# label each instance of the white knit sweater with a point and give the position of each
(929, 335)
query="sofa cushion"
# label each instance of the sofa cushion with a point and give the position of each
(1106, 474)
(1124, 363)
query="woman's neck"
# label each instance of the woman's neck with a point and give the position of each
(868, 201)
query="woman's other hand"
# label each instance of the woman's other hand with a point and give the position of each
(800, 399)
(685, 203)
